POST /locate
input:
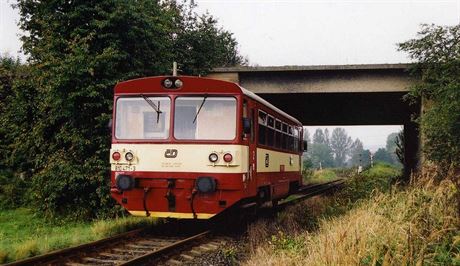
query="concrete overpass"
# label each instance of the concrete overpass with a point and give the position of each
(336, 95)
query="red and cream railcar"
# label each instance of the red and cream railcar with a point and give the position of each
(189, 147)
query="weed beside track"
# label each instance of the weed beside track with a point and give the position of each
(369, 222)
(23, 234)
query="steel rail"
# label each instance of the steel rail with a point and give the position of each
(179, 245)
(313, 190)
(73, 251)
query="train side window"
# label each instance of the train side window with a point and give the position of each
(284, 140)
(262, 118)
(278, 134)
(278, 125)
(262, 128)
(270, 137)
(296, 140)
(271, 131)
(278, 139)
(247, 123)
(253, 118)
(262, 134)
(271, 121)
(291, 139)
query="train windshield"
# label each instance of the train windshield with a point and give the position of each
(142, 118)
(205, 118)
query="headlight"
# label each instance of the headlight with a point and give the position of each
(206, 184)
(129, 156)
(213, 157)
(124, 182)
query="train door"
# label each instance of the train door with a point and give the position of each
(250, 114)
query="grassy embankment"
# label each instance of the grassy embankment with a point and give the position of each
(22, 234)
(371, 222)
(319, 176)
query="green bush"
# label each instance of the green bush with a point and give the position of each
(380, 178)
(13, 190)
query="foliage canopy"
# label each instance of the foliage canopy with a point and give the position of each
(436, 51)
(57, 114)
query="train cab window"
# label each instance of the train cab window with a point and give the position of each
(262, 121)
(138, 118)
(271, 131)
(205, 118)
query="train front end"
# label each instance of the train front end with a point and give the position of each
(175, 147)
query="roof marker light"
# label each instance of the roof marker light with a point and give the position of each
(167, 83)
(178, 83)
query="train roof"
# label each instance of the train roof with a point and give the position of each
(255, 97)
(191, 84)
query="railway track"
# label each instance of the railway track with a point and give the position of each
(312, 190)
(141, 247)
(136, 247)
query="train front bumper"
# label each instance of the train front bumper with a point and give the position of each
(176, 195)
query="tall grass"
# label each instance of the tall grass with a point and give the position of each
(22, 234)
(417, 225)
(319, 176)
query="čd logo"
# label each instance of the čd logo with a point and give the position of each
(171, 153)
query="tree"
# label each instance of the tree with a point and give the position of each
(400, 147)
(391, 147)
(8, 72)
(383, 155)
(341, 144)
(321, 154)
(12, 186)
(78, 51)
(319, 137)
(366, 158)
(196, 37)
(391, 142)
(327, 137)
(356, 153)
(436, 51)
(306, 136)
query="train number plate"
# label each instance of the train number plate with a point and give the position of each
(125, 168)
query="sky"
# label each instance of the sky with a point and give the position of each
(373, 137)
(325, 32)
(307, 32)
